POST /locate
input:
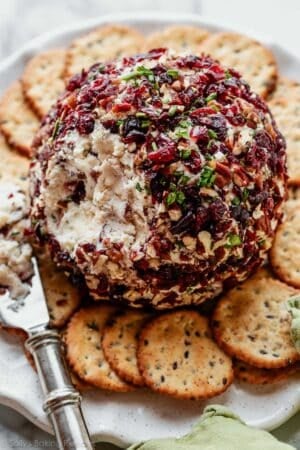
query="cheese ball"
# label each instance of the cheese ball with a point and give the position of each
(159, 178)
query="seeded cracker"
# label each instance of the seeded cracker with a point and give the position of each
(285, 253)
(179, 38)
(17, 122)
(13, 167)
(255, 62)
(178, 357)
(42, 80)
(63, 298)
(254, 375)
(84, 352)
(120, 341)
(285, 106)
(102, 44)
(251, 323)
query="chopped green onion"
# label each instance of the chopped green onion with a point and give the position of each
(154, 146)
(228, 75)
(173, 73)
(184, 179)
(236, 201)
(182, 130)
(138, 187)
(180, 197)
(140, 72)
(245, 194)
(233, 240)
(145, 123)
(212, 134)
(172, 111)
(171, 198)
(178, 173)
(141, 114)
(185, 153)
(55, 129)
(207, 177)
(175, 197)
(211, 97)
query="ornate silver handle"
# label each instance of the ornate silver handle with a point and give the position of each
(62, 401)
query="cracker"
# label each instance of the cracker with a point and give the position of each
(17, 121)
(254, 375)
(13, 166)
(63, 298)
(255, 62)
(120, 341)
(177, 37)
(285, 253)
(79, 384)
(84, 351)
(293, 201)
(177, 357)
(285, 106)
(251, 323)
(42, 80)
(103, 44)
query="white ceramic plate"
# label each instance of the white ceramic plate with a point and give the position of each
(125, 418)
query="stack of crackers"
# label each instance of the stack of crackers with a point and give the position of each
(183, 353)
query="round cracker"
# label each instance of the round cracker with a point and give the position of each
(285, 107)
(13, 166)
(251, 323)
(293, 201)
(256, 63)
(120, 342)
(17, 121)
(84, 351)
(285, 253)
(42, 80)
(254, 375)
(177, 37)
(102, 44)
(63, 298)
(177, 357)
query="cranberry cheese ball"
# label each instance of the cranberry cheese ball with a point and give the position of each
(160, 178)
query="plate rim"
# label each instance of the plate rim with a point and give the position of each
(44, 40)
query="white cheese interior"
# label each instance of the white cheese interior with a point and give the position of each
(15, 255)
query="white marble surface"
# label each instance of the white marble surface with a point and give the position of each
(21, 20)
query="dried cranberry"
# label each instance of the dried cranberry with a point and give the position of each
(163, 156)
(111, 125)
(85, 123)
(184, 223)
(166, 277)
(234, 115)
(121, 107)
(76, 81)
(199, 134)
(103, 285)
(202, 217)
(240, 214)
(217, 210)
(157, 186)
(132, 129)
(263, 139)
(88, 247)
(78, 193)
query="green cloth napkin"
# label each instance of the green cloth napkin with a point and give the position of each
(218, 429)
(293, 306)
